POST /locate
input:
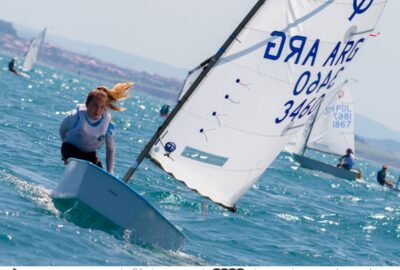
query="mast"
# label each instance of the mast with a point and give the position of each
(303, 149)
(213, 60)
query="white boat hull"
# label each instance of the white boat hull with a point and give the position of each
(326, 168)
(117, 202)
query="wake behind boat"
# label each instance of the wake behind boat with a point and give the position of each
(22, 74)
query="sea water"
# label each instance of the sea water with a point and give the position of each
(290, 217)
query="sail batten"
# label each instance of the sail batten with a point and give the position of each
(240, 113)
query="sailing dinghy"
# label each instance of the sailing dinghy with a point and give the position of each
(243, 107)
(87, 184)
(33, 51)
(330, 131)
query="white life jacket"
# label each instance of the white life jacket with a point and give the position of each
(87, 136)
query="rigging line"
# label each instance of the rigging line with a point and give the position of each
(160, 138)
(192, 88)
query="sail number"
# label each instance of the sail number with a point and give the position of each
(341, 124)
(308, 85)
(342, 119)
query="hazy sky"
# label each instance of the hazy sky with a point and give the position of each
(183, 33)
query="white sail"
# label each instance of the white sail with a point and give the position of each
(261, 90)
(299, 141)
(33, 51)
(333, 131)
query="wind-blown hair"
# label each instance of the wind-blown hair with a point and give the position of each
(118, 92)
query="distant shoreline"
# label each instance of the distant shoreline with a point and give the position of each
(53, 56)
(376, 154)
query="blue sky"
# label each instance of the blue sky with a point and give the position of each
(183, 33)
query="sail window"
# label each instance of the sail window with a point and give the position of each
(204, 157)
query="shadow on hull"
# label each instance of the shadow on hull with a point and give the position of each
(80, 214)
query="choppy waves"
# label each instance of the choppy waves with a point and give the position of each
(292, 216)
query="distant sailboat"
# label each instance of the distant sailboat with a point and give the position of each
(33, 51)
(240, 110)
(330, 131)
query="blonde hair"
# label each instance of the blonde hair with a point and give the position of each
(118, 92)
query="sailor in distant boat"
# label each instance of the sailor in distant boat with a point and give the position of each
(381, 177)
(11, 66)
(87, 127)
(164, 111)
(347, 161)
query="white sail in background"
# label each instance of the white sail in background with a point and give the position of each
(260, 92)
(33, 51)
(333, 131)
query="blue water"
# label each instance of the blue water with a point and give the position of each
(292, 216)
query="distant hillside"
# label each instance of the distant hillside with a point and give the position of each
(84, 65)
(368, 128)
(103, 53)
(373, 152)
(6, 27)
(390, 146)
(375, 141)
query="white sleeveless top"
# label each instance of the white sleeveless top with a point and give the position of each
(86, 134)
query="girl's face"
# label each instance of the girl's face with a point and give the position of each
(96, 107)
